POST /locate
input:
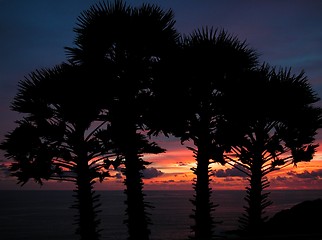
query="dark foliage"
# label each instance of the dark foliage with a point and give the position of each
(124, 45)
(189, 100)
(131, 75)
(62, 137)
(268, 131)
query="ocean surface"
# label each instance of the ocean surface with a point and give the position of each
(33, 215)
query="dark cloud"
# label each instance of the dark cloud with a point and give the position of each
(306, 174)
(230, 172)
(4, 171)
(279, 178)
(170, 181)
(148, 173)
(151, 173)
(118, 175)
(165, 181)
(184, 181)
(182, 164)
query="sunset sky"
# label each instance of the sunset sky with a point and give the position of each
(286, 33)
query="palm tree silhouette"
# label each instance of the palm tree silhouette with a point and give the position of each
(191, 88)
(123, 46)
(269, 132)
(62, 137)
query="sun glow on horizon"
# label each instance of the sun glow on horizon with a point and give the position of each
(172, 171)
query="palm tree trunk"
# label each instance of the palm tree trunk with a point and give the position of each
(87, 224)
(85, 199)
(252, 220)
(137, 220)
(204, 223)
(255, 198)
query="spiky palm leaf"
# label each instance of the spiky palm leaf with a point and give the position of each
(57, 139)
(190, 98)
(271, 132)
(123, 45)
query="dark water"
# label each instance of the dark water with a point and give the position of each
(33, 215)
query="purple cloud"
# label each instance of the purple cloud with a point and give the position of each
(165, 181)
(230, 172)
(306, 174)
(118, 175)
(151, 173)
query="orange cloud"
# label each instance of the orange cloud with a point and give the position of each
(172, 171)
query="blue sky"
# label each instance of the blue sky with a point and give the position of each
(286, 33)
(33, 34)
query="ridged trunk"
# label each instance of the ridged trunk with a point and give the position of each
(255, 198)
(204, 223)
(252, 222)
(85, 199)
(137, 219)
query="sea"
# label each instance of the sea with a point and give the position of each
(33, 215)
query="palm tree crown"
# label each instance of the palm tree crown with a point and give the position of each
(61, 137)
(123, 46)
(189, 94)
(268, 131)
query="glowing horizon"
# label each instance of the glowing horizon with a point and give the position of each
(172, 171)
